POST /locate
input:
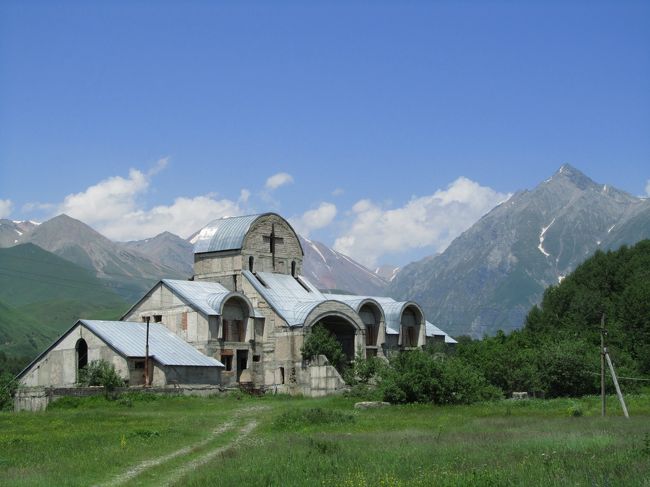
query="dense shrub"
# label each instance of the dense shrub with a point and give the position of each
(100, 373)
(322, 342)
(363, 370)
(419, 376)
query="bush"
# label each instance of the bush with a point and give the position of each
(8, 386)
(100, 373)
(412, 376)
(322, 342)
(363, 370)
(418, 376)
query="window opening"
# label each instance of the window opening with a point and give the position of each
(82, 354)
(251, 261)
(157, 318)
(227, 361)
(293, 268)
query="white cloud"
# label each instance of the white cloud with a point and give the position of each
(108, 200)
(337, 192)
(279, 179)
(183, 217)
(647, 188)
(428, 221)
(114, 208)
(314, 219)
(244, 196)
(5, 208)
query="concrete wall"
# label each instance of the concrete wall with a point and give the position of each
(59, 366)
(324, 379)
(192, 326)
(192, 375)
(38, 398)
(286, 252)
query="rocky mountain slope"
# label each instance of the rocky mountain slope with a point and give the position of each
(11, 232)
(490, 276)
(168, 250)
(329, 269)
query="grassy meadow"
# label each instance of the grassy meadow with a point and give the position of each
(282, 441)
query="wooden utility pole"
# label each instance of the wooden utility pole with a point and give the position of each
(604, 356)
(618, 389)
(603, 332)
(146, 357)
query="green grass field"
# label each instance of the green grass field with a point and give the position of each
(281, 441)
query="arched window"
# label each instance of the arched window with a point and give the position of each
(293, 268)
(251, 261)
(82, 354)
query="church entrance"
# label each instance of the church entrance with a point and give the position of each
(343, 331)
(242, 362)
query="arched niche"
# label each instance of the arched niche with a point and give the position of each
(234, 319)
(411, 323)
(372, 319)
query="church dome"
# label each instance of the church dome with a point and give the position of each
(224, 234)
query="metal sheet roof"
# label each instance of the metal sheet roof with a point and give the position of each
(128, 339)
(294, 303)
(205, 296)
(224, 234)
(286, 295)
(433, 330)
(392, 313)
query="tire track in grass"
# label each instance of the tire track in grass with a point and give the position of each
(155, 462)
(179, 473)
(147, 464)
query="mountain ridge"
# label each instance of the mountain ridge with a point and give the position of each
(490, 275)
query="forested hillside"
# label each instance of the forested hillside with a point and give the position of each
(557, 352)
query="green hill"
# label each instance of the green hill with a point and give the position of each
(42, 295)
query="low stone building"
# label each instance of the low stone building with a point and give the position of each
(249, 307)
(171, 360)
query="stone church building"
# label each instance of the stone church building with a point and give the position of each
(242, 319)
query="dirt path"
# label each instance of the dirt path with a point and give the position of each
(178, 473)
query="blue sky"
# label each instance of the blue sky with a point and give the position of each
(396, 124)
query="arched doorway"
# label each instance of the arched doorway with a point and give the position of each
(343, 331)
(82, 354)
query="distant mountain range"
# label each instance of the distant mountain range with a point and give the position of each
(122, 267)
(487, 279)
(130, 268)
(491, 275)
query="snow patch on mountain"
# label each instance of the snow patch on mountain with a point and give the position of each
(541, 235)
